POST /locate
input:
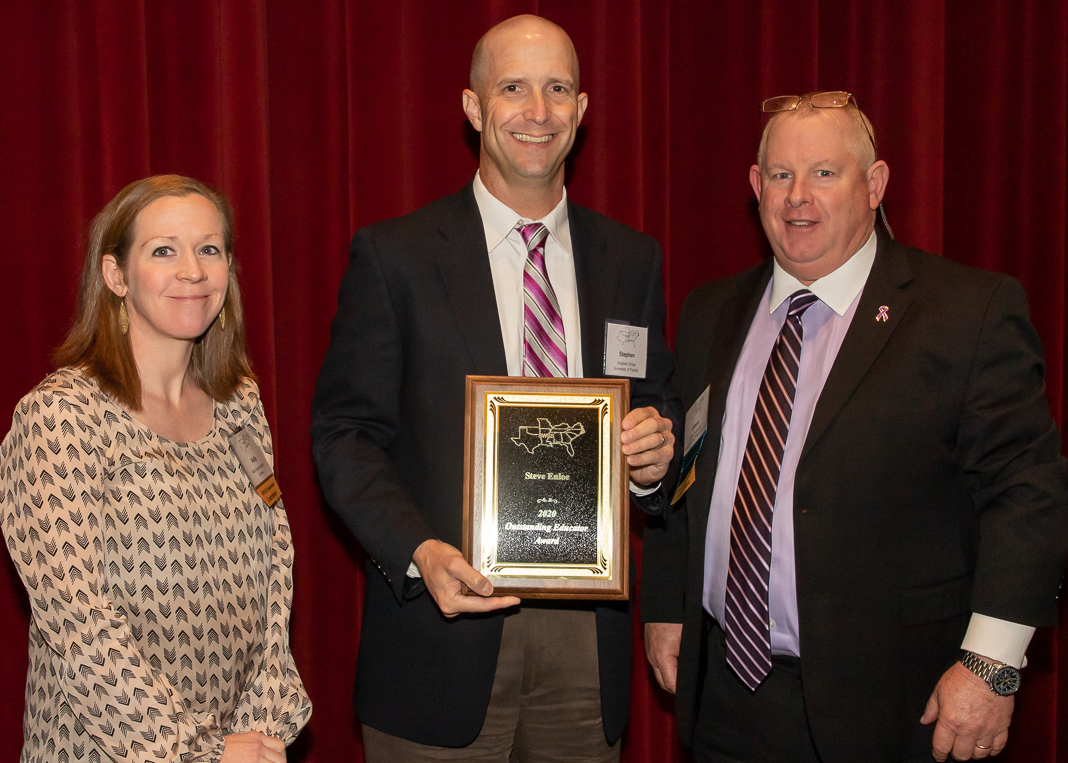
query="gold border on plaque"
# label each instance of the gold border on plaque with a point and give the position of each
(608, 576)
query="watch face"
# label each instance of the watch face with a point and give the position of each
(1005, 681)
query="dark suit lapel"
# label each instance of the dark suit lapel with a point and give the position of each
(464, 266)
(866, 336)
(596, 287)
(726, 342)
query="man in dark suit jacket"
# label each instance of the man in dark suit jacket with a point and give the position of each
(428, 299)
(921, 503)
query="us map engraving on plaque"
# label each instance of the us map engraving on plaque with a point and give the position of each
(547, 468)
(548, 435)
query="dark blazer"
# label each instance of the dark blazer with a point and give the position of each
(416, 315)
(930, 486)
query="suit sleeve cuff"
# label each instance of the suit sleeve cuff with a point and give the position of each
(998, 639)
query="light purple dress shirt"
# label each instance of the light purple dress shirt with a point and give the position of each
(825, 325)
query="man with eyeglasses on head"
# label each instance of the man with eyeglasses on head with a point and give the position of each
(871, 518)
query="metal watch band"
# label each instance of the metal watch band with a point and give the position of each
(1002, 679)
(982, 668)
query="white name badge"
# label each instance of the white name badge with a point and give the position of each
(626, 348)
(696, 428)
(696, 420)
(255, 464)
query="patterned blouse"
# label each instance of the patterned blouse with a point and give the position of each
(160, 584)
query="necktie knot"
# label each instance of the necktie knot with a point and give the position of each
(800, 301)
(533, 234)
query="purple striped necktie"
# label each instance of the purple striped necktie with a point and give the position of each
(544, 351)
(746, 615)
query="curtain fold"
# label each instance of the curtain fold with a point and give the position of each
(318, 118)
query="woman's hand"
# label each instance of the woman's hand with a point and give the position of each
(253, 747)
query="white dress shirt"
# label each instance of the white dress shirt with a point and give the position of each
(508, 254)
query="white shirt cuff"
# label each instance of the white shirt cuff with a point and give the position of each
(413, 571)
(998, 640)
(643, 489)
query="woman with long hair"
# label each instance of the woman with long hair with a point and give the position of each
(159, 578)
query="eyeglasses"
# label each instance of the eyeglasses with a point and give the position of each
(829, 99)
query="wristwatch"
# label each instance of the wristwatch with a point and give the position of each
(1002, 679)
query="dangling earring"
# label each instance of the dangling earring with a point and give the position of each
(222, 317)
(124, 318)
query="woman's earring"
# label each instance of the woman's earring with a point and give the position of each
(124, 318)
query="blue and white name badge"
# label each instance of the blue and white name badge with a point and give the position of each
(626, 348)
(696, 429)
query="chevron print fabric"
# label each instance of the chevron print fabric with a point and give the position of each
(160, 584)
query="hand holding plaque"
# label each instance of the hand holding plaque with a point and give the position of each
(648, 445)
(546, 504)
(447, 577)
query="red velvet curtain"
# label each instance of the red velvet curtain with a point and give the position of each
(316, 118)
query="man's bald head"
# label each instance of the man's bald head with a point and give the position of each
(518, 26)
(525, 102)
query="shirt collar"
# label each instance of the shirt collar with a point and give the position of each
(498, 219)
(837, 289)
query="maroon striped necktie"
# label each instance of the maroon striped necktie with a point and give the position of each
(746, 616)
(544, 351)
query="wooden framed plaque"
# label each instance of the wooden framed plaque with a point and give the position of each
(546, 496)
